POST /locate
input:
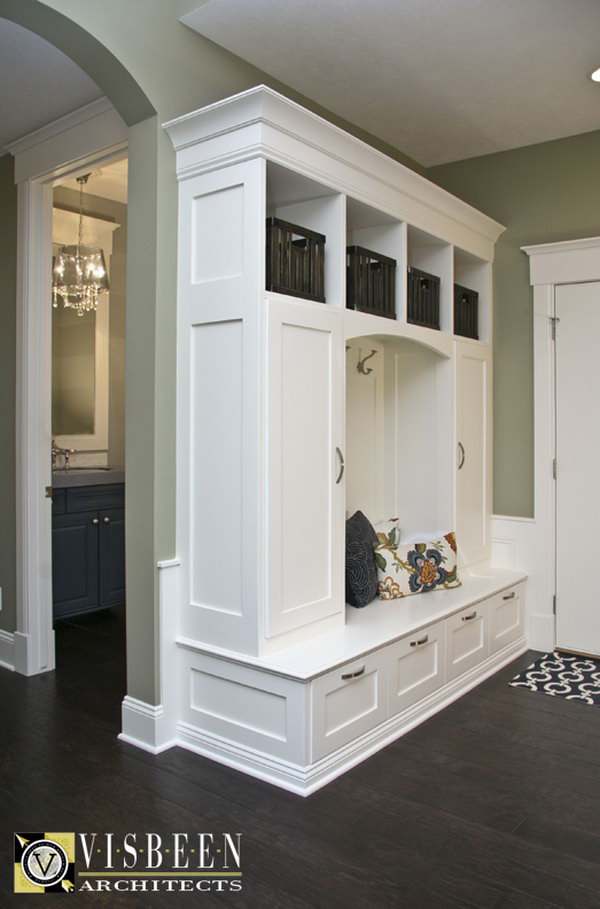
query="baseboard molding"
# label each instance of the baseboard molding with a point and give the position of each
(7, 650)
(306, 780)
(145, 726)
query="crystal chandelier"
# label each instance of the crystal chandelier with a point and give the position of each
(79, 272)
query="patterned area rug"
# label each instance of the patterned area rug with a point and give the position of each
(560, 675)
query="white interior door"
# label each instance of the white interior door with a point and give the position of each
(578, 467)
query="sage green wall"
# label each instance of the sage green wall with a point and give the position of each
(542, 193)
(152, 68)
(8, 270)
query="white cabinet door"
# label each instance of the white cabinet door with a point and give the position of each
(305, 506)
(473, 443)
(467, 639)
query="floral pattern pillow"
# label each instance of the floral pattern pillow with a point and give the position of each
(413, 567)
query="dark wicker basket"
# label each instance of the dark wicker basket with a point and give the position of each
(370, 284)
(295, 260)
(423, 298)
(465, 312)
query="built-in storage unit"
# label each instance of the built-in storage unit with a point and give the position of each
(88, 548)
(292, 414)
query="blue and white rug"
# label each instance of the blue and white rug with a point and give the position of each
(560, 675)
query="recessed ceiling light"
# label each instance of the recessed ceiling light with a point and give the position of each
(595, 76)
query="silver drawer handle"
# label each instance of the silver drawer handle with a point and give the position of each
(342, 465)
(418, 643)
(467, 618)
(509, 596)
(353, 675)
(461, 449)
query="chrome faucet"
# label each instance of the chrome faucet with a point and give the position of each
(65, 452)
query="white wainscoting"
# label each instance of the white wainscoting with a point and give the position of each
(524, 544)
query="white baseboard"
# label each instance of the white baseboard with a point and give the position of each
(145, 726)
(306, 780)
(7, 650)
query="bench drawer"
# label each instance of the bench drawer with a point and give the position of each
(348, 701)
(506, 617)
(416, 667)
(467, 639)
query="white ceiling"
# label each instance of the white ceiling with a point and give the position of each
(439, 79)
(108, 182)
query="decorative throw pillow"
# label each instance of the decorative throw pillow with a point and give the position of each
(414, 567)
(361, 571)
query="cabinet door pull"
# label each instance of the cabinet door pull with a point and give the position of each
(467, 618)
(509, 596)
(342, 464)
(106, 520)
(353, 675)
(419, 642)
(461, 449)
(95, 521)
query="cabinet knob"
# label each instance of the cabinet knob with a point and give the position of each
(95, 521)
(106, 520)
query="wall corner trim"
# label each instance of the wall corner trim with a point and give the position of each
(144, 725)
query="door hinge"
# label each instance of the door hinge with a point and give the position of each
(553, 321)
(554, 604)
(553, 468)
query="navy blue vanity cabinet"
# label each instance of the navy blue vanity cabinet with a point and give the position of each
(88, 549)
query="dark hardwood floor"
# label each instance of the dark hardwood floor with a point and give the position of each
(494, 803)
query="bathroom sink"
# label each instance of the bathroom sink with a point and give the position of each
(87, 469)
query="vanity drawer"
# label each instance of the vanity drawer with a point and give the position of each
(59, 501)
(467, 639)
(506, 617)
(416, 667)
(90, 498)
(348, 701)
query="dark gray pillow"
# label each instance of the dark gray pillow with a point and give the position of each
(361, 569)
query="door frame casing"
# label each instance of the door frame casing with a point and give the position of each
(550, 264)
(81, 140)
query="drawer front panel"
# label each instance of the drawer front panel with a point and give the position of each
(416, 667)
(255, 709)
(347, 702)
(467, 639)
(506, 617)
(89, 498)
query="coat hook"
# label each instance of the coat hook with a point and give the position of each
(361, 362)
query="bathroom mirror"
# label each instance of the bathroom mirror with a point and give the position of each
(80, 349)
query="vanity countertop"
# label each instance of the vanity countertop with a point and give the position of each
(87, 476)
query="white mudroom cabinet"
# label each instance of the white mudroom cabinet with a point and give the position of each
(295, 410)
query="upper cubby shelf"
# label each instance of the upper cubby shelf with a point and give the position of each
(406, 233)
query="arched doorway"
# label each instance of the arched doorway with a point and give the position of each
(61, 150)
